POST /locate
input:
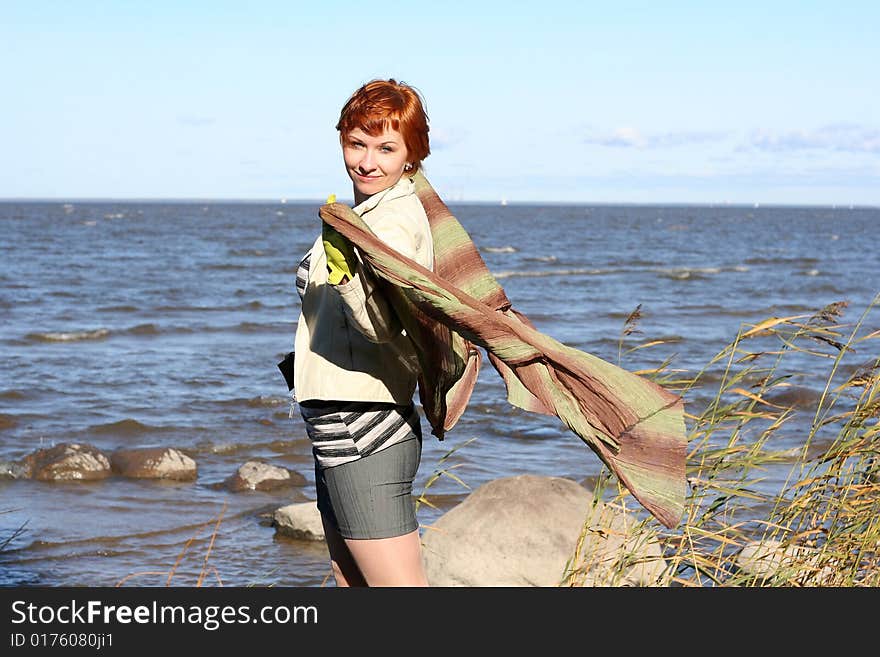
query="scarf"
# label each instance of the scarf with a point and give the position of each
(635, 426)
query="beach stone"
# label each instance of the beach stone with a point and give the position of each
(154, 463)
(67, 462)
(524, 531)
(770, 558)
(258, 475)
(301, 520)
(13, 470)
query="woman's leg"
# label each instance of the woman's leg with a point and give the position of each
(370, 497)
(342, 563)
(395, 561)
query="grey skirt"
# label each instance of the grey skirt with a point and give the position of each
(370, 496)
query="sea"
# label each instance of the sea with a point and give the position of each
(129, 324)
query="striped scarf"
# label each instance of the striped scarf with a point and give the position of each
(634, 426)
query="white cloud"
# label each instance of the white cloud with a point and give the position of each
(627, 137)
(844, 137)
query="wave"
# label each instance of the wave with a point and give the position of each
(255, 327)
(794, 396)
(72, 336)
(223, 266)
(112, 541)
(102, 333)
(552, 272)
(684, 274)
(242, 327)
(636, 263)
(697, 273)
(827, 288)
(118, 309)
(144, 329)
(499, 249)
(289, 446)
(254, 402)
(723, 311)
(12, 394)
(248, 252)
(127, 427)
(150, 328)
(249, 305)
(761, 260)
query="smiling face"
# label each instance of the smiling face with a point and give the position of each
(373, 163)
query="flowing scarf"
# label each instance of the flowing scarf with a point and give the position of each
(634, 426)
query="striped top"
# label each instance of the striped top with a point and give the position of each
(342, 431)
(302, 275)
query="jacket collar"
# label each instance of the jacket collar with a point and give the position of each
(403, 187)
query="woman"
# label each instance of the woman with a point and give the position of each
(355, 371)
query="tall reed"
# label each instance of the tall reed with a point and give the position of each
(758, 514)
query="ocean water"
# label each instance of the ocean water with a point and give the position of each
(137, 324)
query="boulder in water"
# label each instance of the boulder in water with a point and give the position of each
(154, 463)
(67, 462)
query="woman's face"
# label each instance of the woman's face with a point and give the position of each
(373, 163)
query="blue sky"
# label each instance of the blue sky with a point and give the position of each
(693, 102)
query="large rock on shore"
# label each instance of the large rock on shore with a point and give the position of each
(257, 475)
(523, 531)
(526, 530)
(67, 462)
(154, 463)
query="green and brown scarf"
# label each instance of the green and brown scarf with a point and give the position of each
(634, 425)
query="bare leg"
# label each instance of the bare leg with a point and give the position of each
(345, 570)
(395, 561)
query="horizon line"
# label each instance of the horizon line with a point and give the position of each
(499, 202)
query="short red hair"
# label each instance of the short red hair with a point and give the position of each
(380, 104)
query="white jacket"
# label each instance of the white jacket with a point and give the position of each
(349, 345)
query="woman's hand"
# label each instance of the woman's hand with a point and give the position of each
(340, 257)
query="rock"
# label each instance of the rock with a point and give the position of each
(154, 463)
(67, 462)
(771, 559)
(13, 470)
(618, 551)
(257, 475)
(301, 520)
(524, 531)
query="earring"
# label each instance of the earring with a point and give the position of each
(407, 167)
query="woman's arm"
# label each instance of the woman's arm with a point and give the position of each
(364, 305)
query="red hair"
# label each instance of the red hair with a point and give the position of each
(382, 104)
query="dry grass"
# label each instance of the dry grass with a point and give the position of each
(206, 568)
(821, 525)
